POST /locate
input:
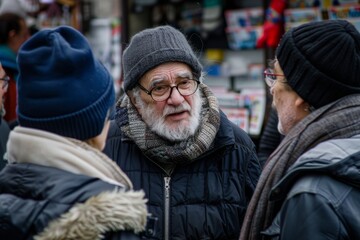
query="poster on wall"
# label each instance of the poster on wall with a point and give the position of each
(297, 16)
(105, 39)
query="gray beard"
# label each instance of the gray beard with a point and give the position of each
(157, 124)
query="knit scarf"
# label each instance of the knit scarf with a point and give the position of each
(27, 145)
(336, 120)
(161, 150)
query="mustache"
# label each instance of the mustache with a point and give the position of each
(171, 110)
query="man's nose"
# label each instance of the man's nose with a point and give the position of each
(175, 97)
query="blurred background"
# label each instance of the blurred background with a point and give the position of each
(233, 38)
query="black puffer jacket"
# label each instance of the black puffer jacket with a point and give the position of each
(205, 199)
(322, 192)
(31, 196)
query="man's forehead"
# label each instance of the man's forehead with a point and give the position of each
(170, 67)
(167, 72)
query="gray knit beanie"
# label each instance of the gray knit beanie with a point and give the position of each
(321, 60)
(152, 47)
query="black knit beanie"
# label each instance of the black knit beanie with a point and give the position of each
(152, 47)
(321, 60)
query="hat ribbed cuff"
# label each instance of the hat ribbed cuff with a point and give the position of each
(84, 124)
(159, 57)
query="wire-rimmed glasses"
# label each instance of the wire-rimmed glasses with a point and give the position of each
(162, 92)
(270, 77)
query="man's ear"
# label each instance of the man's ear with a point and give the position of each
(302, 104)
(299, 102)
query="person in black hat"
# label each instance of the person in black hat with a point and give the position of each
(310, 186)
(197, 169)
(57, 183)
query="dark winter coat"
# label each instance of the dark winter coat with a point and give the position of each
(31, 196)
(204, 199)
(322, 192)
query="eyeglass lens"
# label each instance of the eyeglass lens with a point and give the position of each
(269, 76)
(185, 87)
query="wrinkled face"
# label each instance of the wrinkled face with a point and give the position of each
(177, 117)
(290, 107)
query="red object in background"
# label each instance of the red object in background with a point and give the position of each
(273, 26)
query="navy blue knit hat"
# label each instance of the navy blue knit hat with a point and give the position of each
(321, 60)
(152, 47)
(62, 87)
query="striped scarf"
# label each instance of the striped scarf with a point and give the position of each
(167, 152)
(337, 120)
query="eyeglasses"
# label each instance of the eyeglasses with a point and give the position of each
(270, 77)
(5, 80)
(162, 92)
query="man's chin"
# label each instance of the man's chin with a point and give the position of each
(175, 131)
(181, 123)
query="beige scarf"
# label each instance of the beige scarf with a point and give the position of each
(27, 145)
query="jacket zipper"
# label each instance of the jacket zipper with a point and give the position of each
(167, 207)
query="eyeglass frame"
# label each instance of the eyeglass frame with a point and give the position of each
(171, 87)
(270, 81)
(6, 80)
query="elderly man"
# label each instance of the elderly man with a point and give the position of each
(310, 186)
(197, 168)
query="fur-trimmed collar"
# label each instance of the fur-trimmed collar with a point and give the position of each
(106, 212)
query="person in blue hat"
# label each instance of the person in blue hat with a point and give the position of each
(57, 183)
